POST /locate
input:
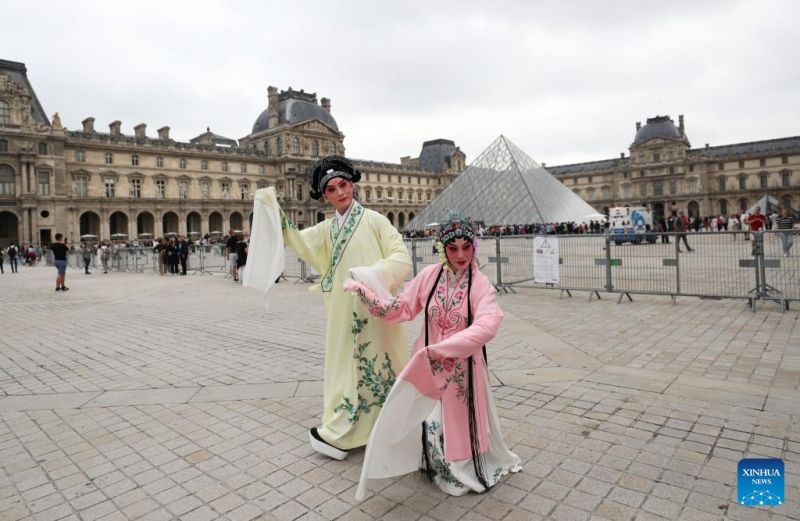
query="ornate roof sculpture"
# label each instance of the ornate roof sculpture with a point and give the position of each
(505, 186)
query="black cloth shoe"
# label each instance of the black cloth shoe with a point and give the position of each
(323, 447)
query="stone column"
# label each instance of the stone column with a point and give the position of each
(182, 223)
(105, 226)
(133, 232)
(158, 224)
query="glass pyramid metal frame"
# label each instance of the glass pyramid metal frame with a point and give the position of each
(505, 186)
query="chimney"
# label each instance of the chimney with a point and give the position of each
(622, 155)
(272, 107)
(680, 125)
(140, 131)
(163, 133)
(88, 125)
(326, 104)
(114, 127)
(638, 125)
(706, 145)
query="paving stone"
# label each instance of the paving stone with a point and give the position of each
(611, 423)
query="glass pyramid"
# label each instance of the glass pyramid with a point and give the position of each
(505, 186)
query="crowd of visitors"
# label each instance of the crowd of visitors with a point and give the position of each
(735, 222)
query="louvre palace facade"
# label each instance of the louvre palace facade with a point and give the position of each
(664, 173)
(113, 184)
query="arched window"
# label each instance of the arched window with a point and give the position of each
(723, 207)
(5, 113)
(315, 148)
(296, 146)
(743, 204)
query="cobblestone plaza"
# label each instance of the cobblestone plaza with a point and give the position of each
(134, 396)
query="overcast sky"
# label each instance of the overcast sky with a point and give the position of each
(565, 81)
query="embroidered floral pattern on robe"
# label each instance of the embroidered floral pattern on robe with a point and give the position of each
(339, 239)
(456, 374)
(370, 378)
(444, 315)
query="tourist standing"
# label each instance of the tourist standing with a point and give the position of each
(241, 254)
(785, 224)
(681, 226)
(13, 253)
(105, 255)
(60, 249)
(87, 257)
(183, 253)
(230, 251)
(757, 220)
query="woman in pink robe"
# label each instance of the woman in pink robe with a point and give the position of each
(440, 415)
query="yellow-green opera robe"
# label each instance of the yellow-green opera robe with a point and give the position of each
(363, 355)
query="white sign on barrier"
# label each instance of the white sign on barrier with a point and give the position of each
(545, 259)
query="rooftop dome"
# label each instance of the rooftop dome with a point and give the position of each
(295, 107)
(659, 126)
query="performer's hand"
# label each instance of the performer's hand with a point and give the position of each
(352, 287)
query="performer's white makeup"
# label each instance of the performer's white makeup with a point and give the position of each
(459, 253)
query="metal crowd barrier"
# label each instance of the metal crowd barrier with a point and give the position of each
(718, 265)
(714, 265)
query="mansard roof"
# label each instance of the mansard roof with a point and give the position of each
(768, 146)
(737, 150)
(18, 73)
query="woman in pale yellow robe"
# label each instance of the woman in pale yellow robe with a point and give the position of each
(363, 355)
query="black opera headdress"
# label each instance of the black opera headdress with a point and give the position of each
(322, 171)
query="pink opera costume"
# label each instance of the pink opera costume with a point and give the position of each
(362, 354)
(440, 415)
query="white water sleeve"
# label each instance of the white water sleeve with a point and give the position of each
(265, 257)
